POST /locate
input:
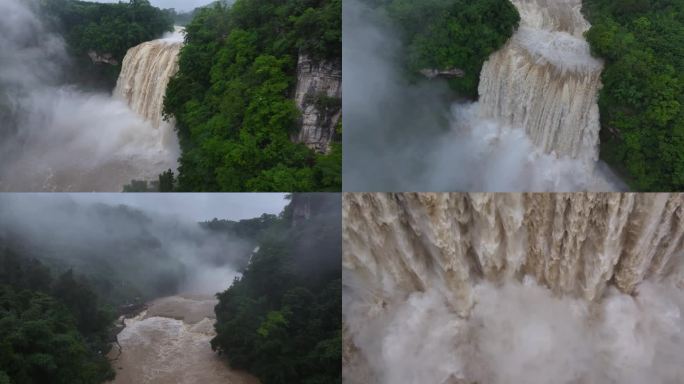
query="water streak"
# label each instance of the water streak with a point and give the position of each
(507, 288)
(546, 82)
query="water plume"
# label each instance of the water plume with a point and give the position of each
(56, 137)
(510, 288)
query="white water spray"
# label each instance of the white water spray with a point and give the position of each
(510, 288)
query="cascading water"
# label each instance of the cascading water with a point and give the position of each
(145, 74)
(56, 137)
(510, 288)
(545, 80)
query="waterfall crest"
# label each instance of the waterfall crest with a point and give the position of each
(545, 80)
(145, 74)
(574, 244)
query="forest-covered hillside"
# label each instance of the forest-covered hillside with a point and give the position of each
(642, 100)
(281, 320)
(53, 328)
(233, 96)
(454, 34)
(107, 30)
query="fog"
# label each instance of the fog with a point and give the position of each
(414, 136)
(178, 5)
(518, 333)
(127, 251)
(190, 207)
(55, 137)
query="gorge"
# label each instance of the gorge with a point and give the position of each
(505, 288)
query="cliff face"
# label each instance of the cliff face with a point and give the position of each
(319, 97)
(105, 58)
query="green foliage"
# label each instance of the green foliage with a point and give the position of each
(106, 29)
(50, 331)
(642, 100)
(232, 96)
(282, 319)
(447, 34)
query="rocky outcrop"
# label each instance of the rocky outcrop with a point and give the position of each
(301, 208)
(319, 97)
(431, 73)
(105, 58)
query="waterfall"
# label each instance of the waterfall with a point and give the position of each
(545, 80)
(145, 74)
(506, 288)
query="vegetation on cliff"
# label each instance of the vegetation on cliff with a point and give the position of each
(449, 34)
(642, 100)
(281, 320)
(106, 29)
(232, 97)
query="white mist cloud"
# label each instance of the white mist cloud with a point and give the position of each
(179, 5)
(55, 137)
(520, 333)
(160, 253)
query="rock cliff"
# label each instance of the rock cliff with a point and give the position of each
(319, 97)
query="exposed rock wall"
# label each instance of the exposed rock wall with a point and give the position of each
(319, 97)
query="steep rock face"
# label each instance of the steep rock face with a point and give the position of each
(301, 208)
(319, 97)
(105, 58)
(574, 244)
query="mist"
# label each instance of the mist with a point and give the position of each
(518, 333)
(124, 251)
(56, 137)
(178, 5)
(414, 136)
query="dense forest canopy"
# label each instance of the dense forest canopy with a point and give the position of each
(449, 34)
(642, 100)
(53, 328)
(232, 97)
(106, 29)
(281, 320)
